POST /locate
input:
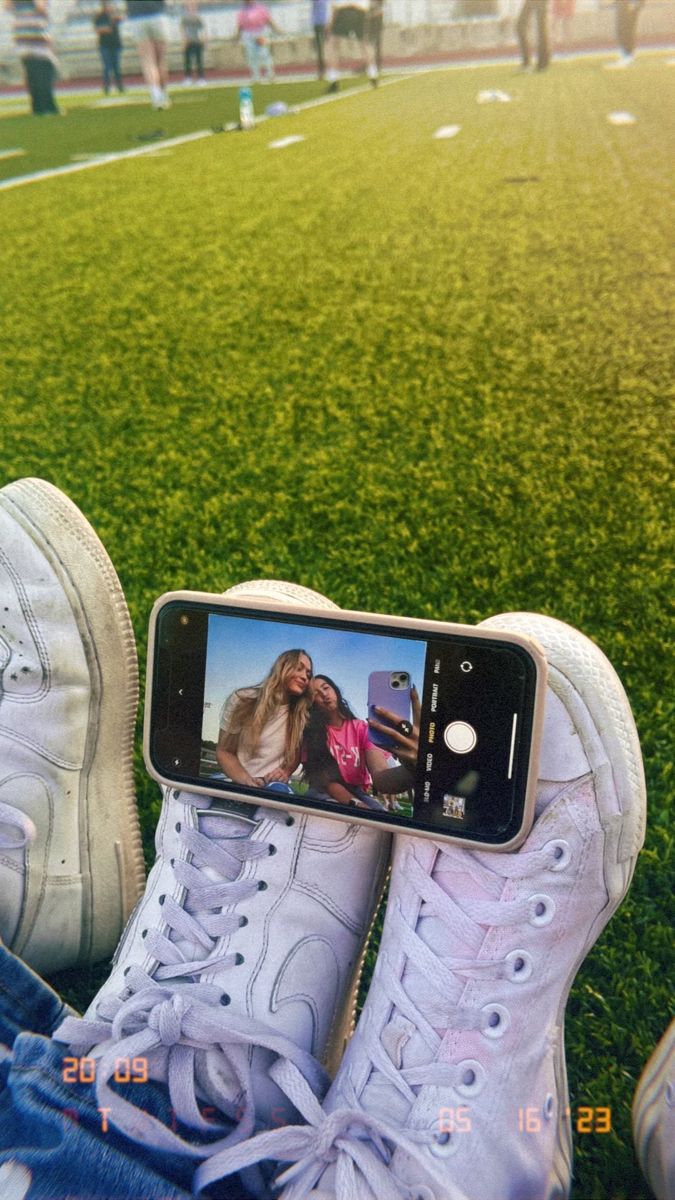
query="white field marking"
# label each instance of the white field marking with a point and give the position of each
(93, 157)
(12, 153)
(118, 101)
(160, 151)
(493, 95)
(621, 118)
(51, 172)
(281, 143)
(447, 131)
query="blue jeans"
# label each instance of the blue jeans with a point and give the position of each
(49, 1120)
(258, 57)
(110, 57)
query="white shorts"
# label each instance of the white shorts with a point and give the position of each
(149, 29)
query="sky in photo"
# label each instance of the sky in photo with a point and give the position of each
(241, 651)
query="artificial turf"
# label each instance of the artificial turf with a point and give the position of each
(426, 377)
(90, 125)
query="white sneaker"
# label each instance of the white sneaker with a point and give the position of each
(654, 1118)
(71, 866)
(246, 948)
(159, 98)
(454, 1084)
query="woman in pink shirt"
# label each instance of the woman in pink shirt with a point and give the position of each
(253, 21)
(340, 758)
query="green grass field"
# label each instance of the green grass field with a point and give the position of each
(426, 377)
(91, 124)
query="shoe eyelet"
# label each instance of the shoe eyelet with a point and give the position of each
(144, 933)
(271, 850)
(262, 886)
(497, 1022)
(561, 854)
(290, 820)
(224, 999)
(519, 965)
(172, 861)
(444, 1143)
(162, 899)
(243, 921)
(471, 1077)
(548, 1107)
(177, 826)
(542, 909)
(238, 959)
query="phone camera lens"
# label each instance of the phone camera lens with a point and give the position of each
(466, 666)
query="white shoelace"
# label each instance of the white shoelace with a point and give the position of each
(168, 1020)
(15, 819)
(361, 1144)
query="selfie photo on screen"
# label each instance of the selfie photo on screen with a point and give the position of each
(331, 719)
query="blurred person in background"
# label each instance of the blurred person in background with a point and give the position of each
(320, 18)
(374, 30)
(193, 28)
(627, 13)
(253, 22)
(537, 9)
(149, 27)
(107, 25)
(33, 45)
(362, 23)
(562, 14)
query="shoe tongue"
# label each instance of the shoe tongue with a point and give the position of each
(248, 813)
(222, 821)
(461, 940)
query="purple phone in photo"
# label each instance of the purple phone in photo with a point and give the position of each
(391, 690)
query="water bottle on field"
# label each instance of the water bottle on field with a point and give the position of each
(246, 113)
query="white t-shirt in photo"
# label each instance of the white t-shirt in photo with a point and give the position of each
(270, 752)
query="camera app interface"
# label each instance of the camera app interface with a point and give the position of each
(346, 717)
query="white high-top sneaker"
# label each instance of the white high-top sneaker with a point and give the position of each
(246, 948)
(654, 1117)
(454, 1084)
(71, 862)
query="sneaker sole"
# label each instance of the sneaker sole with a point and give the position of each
(112, 864)
(647, 1100)
(589, 687)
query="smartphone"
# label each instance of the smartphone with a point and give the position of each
(261, 703)
(390, 690)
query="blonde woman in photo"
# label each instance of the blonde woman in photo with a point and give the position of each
(261, 727)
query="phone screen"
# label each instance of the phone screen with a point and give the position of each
(265, 704)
